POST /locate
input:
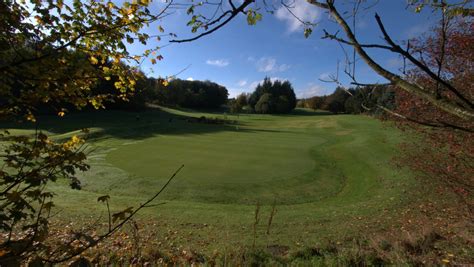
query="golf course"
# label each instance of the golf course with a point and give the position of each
(328, 176)
(236, 133)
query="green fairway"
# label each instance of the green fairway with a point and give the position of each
(329, 175)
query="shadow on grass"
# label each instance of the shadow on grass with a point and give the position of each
(132, 125)
(308, 112)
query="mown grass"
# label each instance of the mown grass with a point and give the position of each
(330, 176)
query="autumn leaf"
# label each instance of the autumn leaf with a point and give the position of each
(94, 60)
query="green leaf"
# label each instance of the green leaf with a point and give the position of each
(253, 17)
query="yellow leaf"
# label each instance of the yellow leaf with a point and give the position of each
(31, 117)
(39, 20)
(61, 113)
(165, 82)
(94, 60)
(75, 139)
(153, 61)
(117, 59)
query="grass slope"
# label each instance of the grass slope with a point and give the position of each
(330, 176)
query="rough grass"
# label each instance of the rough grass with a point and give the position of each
(330, 176)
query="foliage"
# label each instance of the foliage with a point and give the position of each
(242, 99)
(447, 153)
(239, 103)
(361, 99)
(266, 104)
(315, 102)
(335, 102)
(273, 97)
(190, 94)
(368, 99)
(53, 54)
(136, 101)
(30, 164)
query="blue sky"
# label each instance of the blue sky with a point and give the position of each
(239, 56)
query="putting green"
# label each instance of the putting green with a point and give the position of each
(239, 166)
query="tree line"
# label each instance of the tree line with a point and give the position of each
(356, 100)
(175, 93)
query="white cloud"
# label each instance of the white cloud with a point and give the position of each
(217, 62)
(312, 90)
(242, 83)
(302, 10)
(269, 64)
(190, 79)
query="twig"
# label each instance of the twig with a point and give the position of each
(234, 13)
(118, 226)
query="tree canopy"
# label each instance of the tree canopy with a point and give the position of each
(273, 97)
(190, 94)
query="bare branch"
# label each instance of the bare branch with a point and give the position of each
(442, 103)
(334, 37)
(420, 65)
(119, 225)
(319, 4)
(234, 13)
(424, 123)
(371, 84)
